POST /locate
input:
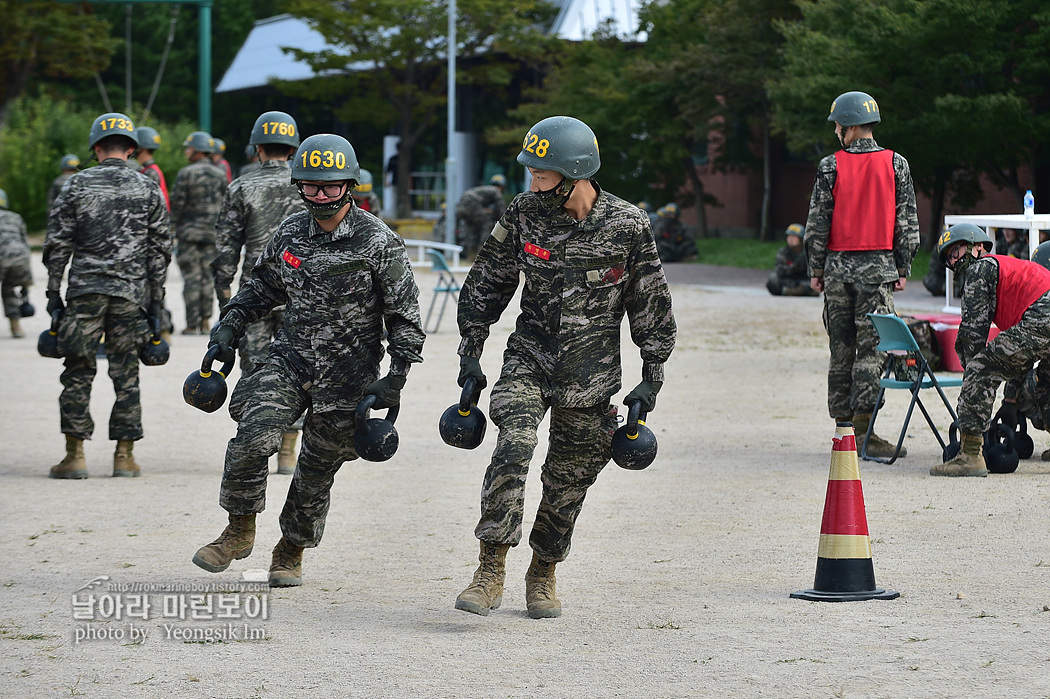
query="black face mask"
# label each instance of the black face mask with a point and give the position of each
(964, 262)
(323, 212)
(557, 196)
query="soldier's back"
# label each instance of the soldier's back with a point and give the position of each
(13, 243)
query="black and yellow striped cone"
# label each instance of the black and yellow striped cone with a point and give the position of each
(844, 569)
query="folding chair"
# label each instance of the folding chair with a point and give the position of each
(446, 286)
(896, 339)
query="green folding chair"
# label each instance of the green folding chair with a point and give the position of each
(905, 358)
(446, 286)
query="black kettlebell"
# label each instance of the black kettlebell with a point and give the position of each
(463, 424)
(375, 439)
(156, 351)
(26, 310)
(206, 389)
(1023, 443)
(634, 444)
(999, 453)
(47, 343)
(951, 449)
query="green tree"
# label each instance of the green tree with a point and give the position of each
(387, 64)
(46, 40)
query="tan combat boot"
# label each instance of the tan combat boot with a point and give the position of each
(485, 592)
(235, 542)
(286, 455)
(969, 462)
(74, 465)
(124, 465)
(877, 446)
(286, 567)
(540, 596)
(16, 328)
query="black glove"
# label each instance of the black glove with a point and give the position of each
(1007, 415)
(646, 392)
(54, 301)
(469, 366)
(226, 339)
(387, 391)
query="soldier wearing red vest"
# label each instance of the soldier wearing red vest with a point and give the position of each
(1015, 295)
(149, 141)
(861, 235)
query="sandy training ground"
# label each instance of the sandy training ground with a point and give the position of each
(677, 584)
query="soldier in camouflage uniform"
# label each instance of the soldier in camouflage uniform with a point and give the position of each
(113, 223)
(218, 159)
(859, 255)
(251, 161)
(365, 196)
(15, 271)
(254, 207)
(1015, 295)
(1011, 244)
(69, 165)
(149, 142)
(478, 209)
(347, 283)
(588, 258)
(790, 275)
(195, 202)
(673, 241)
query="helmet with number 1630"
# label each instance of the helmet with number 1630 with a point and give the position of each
(562, 144)
(854, 109)
(325, 157)
(112, 124)
(277, 128)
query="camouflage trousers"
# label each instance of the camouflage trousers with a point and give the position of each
(579, 448)
(198, 287)
(855, 366)
(1011, 354)
(255, 347)
(264, 404)
(124, 324)
(14, 273)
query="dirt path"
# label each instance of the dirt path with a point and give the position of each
(677, 584)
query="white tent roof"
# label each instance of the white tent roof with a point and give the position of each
(261, 58)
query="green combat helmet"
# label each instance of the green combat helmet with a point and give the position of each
(325, 157)
(668, 211)
(69, 162)
(200, 141)
(1042, 254)
(562, 144)
(275, 127)
(364, 186)
(112, 124)
(795, 229)
(220, 146)
(149, 139)
(498, 180)
(854, 109)
(3, 199)
(962, 232)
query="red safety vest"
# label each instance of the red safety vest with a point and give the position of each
(1021, 283)
(163, 184)
(865, 195)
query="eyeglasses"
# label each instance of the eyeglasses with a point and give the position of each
(955, 254)
(330, 190)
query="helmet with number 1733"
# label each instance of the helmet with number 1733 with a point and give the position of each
(112, 124)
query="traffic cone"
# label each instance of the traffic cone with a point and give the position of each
(844, 569)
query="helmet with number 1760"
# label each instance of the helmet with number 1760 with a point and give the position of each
(562, 144)
(278, 128)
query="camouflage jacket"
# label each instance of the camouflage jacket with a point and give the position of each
(581, 277)
(55, 188)
(344, 292)
(114, 224)
(248, 167)
(861, 266)
(479, 205)
(14, 245)
(670, 229)
(791, 265)
(254, 207)
(196, 199)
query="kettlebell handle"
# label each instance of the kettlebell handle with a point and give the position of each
(366, 405)
(154, 326)
(209, 358)
(56, 319)
(1006, 434)
(635, 415)
(470, 395)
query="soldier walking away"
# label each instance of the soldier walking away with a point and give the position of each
(673, 241)
(1015, 295)
(478, 210)
(254, 207)
(149, 142)
(859, 255)
(113, 224)
(70, 163)
(251, 160)
(588, 259)
(195, 202)
(364, 196)
(790, 275)
(218, 159)
(16, 275)
(347, 284)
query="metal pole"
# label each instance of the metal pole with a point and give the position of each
(450, 161)
(204, 67)
(127, 59)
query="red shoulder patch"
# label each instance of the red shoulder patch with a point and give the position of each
(537, 251)
(291, 259)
